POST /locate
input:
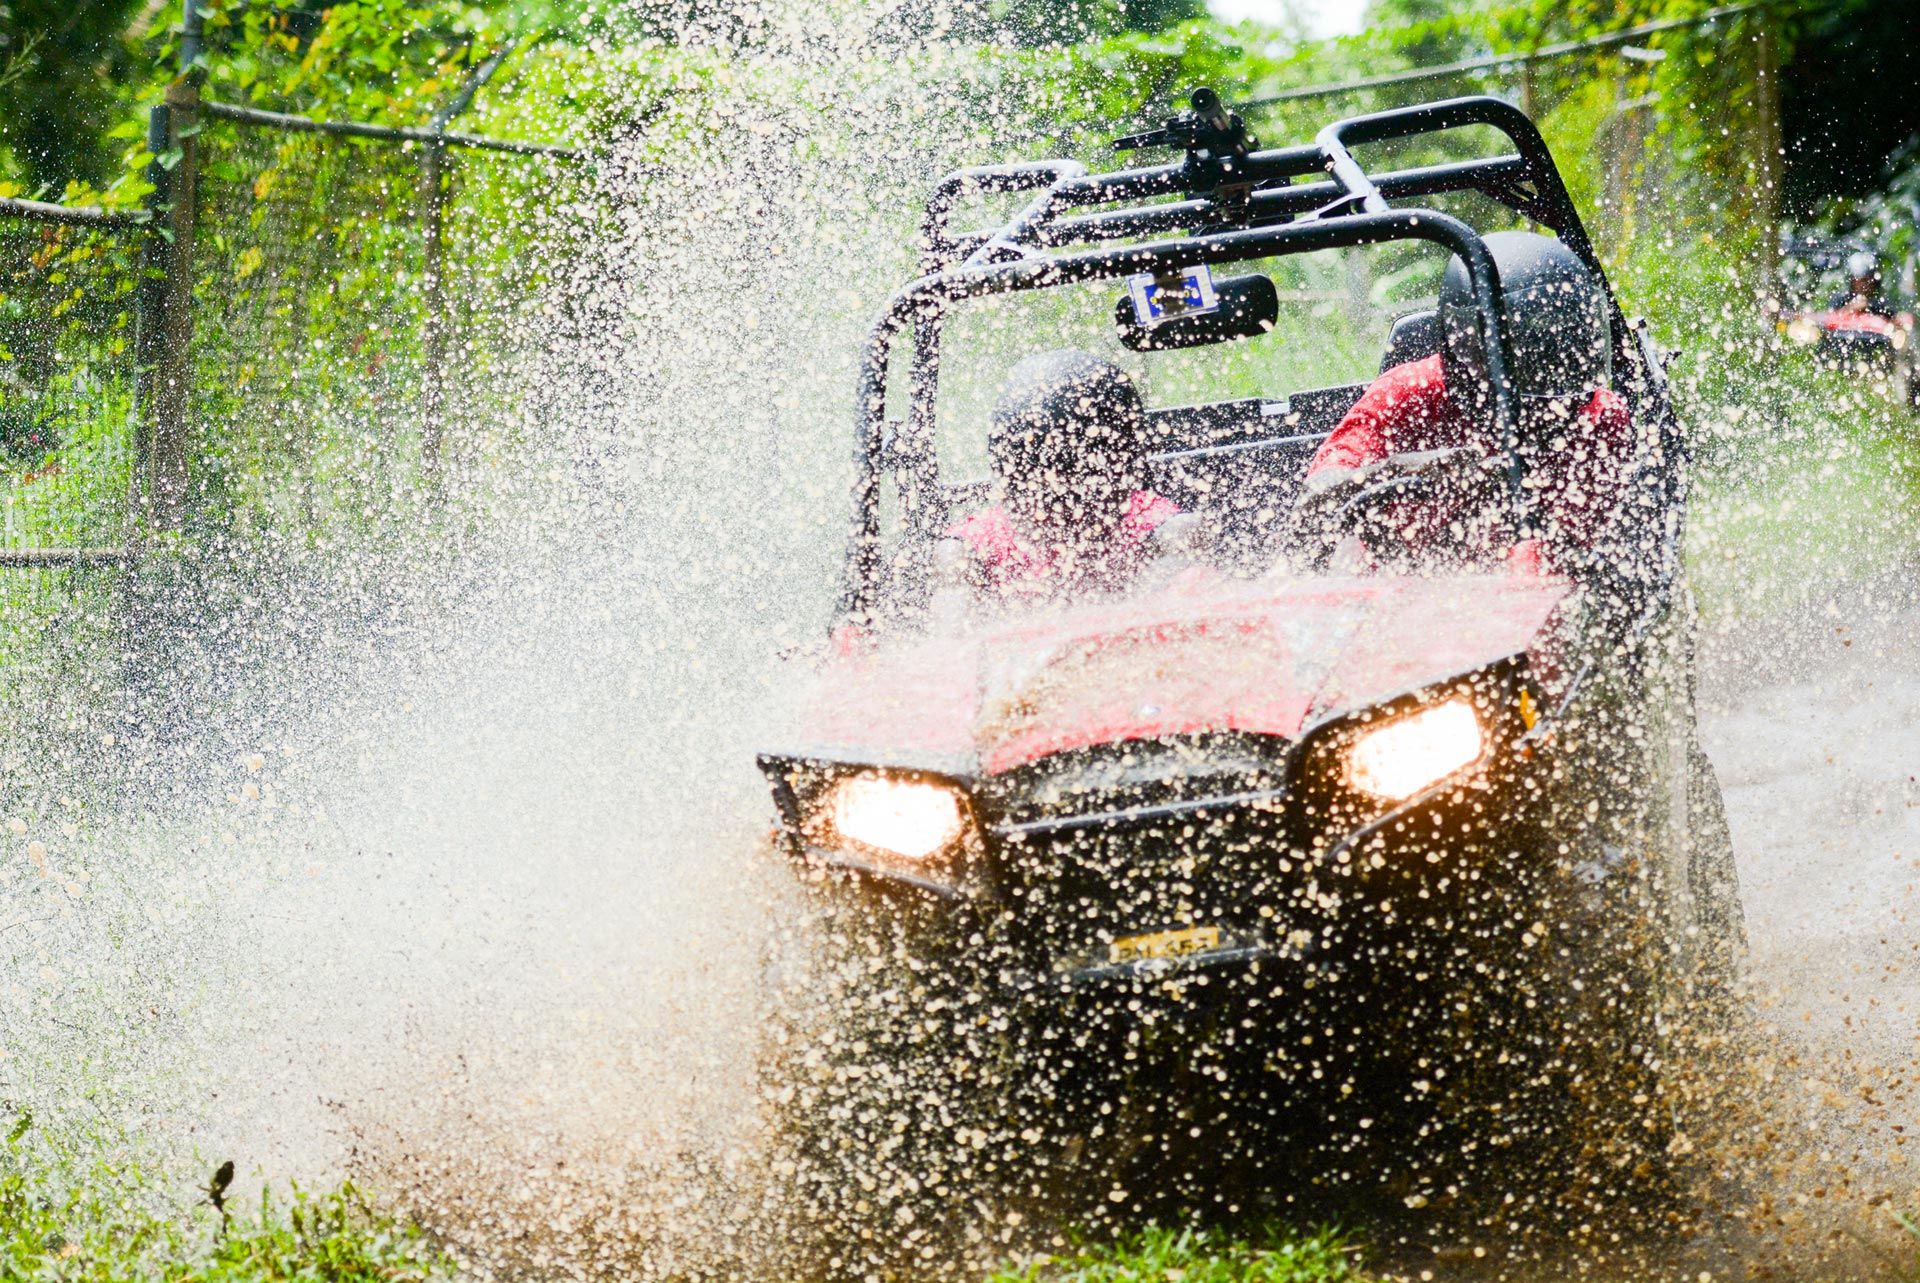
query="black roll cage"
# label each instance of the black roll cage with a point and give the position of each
(1261, 213)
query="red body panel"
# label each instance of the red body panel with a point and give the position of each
(1844, 321)
(1267, 657)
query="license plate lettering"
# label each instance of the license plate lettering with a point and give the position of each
(1164, 944)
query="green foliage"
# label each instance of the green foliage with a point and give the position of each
(74, 81)
(66, 381)
(1428, 32)
(1156, 1255)
(384, 61)
(63, 67)
(69, 1215)
(1158, 15)
(1064, 22)
(1839, 130)
(1808, 481)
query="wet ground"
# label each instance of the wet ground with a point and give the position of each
(1814, 727)
(510, 979)
(1812, 719)
(553, 1147)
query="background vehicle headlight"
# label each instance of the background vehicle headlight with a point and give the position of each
(1401, 758)
(909, 818)
(1803, 331)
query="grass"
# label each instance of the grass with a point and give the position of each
(1823, 491)
(69, 1218)
(1159, 1255)
(1911, 1225)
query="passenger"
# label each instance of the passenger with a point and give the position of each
(1067, 448)
(1575, 437)
(1863, 287)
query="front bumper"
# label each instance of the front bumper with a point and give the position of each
(1424, 889)
(1076, 866)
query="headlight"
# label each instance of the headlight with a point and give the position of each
(1801, 330)
(1401, 758)
(909, 818)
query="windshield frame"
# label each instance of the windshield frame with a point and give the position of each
(1264, 214)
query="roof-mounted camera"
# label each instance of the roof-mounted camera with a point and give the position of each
(1217, 145)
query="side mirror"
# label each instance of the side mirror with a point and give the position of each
(1247, 306)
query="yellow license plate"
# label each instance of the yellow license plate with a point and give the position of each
(1164, 944)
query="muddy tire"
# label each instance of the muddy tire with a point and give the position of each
(1583, 1129)
(909, 1126)
(1719, 918)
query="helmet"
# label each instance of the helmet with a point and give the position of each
(1066, 439)
(1863, 265)
(1557, 328)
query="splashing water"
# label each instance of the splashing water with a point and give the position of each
(460, 884)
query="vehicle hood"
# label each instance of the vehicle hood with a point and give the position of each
(1270, 658)
(1842, 321)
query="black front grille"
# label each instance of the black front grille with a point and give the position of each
(1141, 839)
(1127, 776)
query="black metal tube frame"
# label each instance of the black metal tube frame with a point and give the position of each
(1282, 217)
(930, 295)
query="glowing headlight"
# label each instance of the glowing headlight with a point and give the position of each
(1803, 331)
(1405, 756)
(909, 818)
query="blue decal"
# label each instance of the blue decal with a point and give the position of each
(1162, 297)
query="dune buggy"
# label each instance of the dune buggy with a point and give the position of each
(1867, 343)
(1248, 851)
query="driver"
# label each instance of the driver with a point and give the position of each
(1067, 450)
(1575, 437)
(1863, 287)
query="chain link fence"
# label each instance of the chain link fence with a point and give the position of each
(359, 302)
(67, 375)
(355, 297)
(69, 285)
(319, 331)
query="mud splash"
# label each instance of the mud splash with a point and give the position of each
(476, 914)
(1813, 720)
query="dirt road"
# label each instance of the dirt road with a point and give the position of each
(1813, 723)
(1814, 727)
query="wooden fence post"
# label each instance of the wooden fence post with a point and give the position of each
(433, 217)
(167, 463)
(150, 310)
(164, 306)
(436, 191)
(1767, 141)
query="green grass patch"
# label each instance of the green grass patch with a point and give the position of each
(1819, 488)
(1193, 1255)
(102, 1216)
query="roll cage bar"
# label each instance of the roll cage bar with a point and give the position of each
(1235, 204)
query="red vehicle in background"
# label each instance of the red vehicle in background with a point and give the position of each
(1859, 330)
(1155, 879)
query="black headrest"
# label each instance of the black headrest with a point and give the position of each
(1412, 337)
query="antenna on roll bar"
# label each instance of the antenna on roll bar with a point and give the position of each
(1217, 145)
